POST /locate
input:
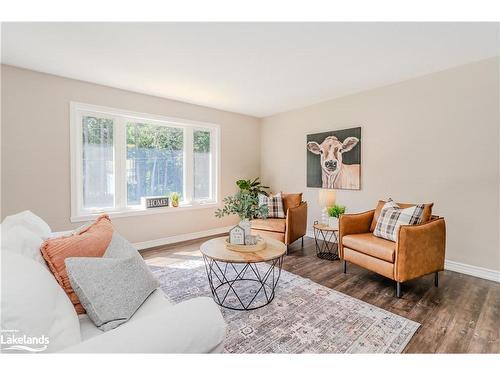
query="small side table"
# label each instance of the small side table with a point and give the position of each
(326, 249)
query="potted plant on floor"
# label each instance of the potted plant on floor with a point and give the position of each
(245, 204)
(334, 213)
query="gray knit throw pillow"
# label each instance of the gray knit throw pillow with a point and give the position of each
(112, 288)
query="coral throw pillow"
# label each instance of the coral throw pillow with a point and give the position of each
(92, 241)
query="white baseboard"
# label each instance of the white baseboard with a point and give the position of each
(180, 238)
(467, 269)
(483, 273)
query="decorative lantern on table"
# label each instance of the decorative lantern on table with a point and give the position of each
(237, 235)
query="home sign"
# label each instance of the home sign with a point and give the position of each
(155, 202)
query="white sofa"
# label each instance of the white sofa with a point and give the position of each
(33, 304)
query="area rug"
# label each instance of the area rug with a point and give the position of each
(304, 317)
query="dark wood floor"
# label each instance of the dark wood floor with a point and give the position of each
(461, 316)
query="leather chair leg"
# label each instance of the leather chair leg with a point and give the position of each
(302, 242)
(436, 279)
(398, 289)
(345, 266)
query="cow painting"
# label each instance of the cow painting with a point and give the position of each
(334, 159)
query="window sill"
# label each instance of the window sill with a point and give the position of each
(143, 211)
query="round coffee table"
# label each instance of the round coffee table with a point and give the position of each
(243, 281)
(325, 248)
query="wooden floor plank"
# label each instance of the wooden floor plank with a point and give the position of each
(461, 327)
(435, 326)
(461, 315)
(486, 337)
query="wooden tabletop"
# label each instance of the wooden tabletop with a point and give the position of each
(216, 249)
(325, 227)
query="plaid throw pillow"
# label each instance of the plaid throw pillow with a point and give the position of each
(274, 205)
(392, 217)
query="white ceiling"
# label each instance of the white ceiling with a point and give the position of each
(253, 68)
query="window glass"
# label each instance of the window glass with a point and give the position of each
(98, 162)
(154, 165)
(202, 164)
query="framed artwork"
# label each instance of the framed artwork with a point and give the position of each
(334, 159)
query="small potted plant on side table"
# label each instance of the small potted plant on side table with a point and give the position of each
(334, 213)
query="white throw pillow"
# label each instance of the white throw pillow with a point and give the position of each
(33, 304)
(28, 220)
(24, 242)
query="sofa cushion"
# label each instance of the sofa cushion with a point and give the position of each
(33, 304)
(155, 302)
(22, 241)
(368, 244)
(192, 326)
(370, 263)
(426, 215)
(28, 220)
(92, 242)
(280, 236)
(291, 200)
(272, 225)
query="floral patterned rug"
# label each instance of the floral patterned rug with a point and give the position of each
(304, 317)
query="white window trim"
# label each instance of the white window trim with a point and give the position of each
(78, 214)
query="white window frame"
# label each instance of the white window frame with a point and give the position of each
(120, 117)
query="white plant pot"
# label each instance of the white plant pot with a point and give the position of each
(333, 222)
(247, 226)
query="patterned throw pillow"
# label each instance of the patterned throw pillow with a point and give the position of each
(274, 204)
(392, 217)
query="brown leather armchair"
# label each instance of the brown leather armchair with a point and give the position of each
(289, 229)
(418, 251)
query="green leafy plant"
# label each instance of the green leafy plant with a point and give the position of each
(336, 211)
(174, 197)
(243, 204)
(254, 187)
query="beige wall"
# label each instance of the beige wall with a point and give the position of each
(434, 138)
(36, 159)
